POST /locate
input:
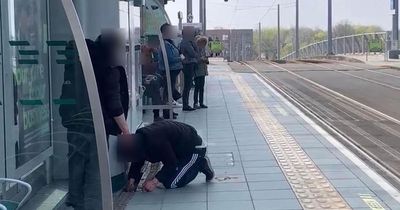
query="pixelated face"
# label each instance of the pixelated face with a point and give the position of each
(171, 32)
(202, 43)
(188, 33)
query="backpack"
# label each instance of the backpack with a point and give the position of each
(74, 102)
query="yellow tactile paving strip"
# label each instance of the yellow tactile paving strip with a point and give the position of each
(311, 187)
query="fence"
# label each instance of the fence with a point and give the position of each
(378, 42)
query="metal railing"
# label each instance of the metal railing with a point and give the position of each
(378, 42)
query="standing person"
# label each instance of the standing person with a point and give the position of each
(189, 51)
(83, 167)
(113, 82)
(200, 74)
(175, 64)
(175, 144)
(152, 81)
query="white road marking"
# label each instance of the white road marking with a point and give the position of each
(265, 93)
(282, 111)
(374, 71)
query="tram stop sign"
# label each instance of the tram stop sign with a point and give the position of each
(190, 18)
(375, 45)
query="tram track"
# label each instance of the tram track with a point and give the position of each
(375, 71)
(359, 77)
(343, 117)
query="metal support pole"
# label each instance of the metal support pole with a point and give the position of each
(202, 12)
(189, 11)
(279, 33)
(259, 41)
(330, 50)
(344, 45)
(230, 45)
(297, 30)
(395, 27)
(205, 17)
(180, 18)
(242, 48)
(336, 46)
(237, 50)
(386, 58)
(352, 45)
(363, 44)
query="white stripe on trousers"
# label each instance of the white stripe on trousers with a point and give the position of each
(184, 170)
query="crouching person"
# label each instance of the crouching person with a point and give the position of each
(176, 145)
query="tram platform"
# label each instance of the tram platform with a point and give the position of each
(268, 155)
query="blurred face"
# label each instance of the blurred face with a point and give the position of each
(116, 39)
(170, 33)
(202, 43)
(188, 33)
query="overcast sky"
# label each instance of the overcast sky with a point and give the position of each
(313, 13)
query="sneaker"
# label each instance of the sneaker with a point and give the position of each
(188, 108)
(196, 106)
(207, 169)
(177, 104)
(203, 106)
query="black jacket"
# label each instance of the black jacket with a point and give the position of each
(165, 141)
(114, 96)
(190, 51)
(112, 84)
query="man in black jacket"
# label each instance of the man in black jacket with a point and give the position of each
(112, 82)
(175, 144)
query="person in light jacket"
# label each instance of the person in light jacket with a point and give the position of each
(200, 74)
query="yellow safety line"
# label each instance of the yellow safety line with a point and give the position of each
(311, 187)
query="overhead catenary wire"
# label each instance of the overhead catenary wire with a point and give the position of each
(269, 9)
(234, 13)
(286, 5)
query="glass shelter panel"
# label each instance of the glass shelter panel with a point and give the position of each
(53, 131)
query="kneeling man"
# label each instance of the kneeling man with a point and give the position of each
(176, 145)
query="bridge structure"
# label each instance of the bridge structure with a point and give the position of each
(357, 44)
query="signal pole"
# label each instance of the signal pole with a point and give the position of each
(279, 33)
(330, 50)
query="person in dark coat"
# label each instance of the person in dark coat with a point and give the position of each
(191, 54)
(113, 83)
(175, 144)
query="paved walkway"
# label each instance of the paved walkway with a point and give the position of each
(268, 155)
(377, 60)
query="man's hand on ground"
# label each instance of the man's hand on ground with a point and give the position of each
(150, 185)
(130, 186)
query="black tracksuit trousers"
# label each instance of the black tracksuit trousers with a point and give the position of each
(187, 170)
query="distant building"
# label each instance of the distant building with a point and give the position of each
(238, 43)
